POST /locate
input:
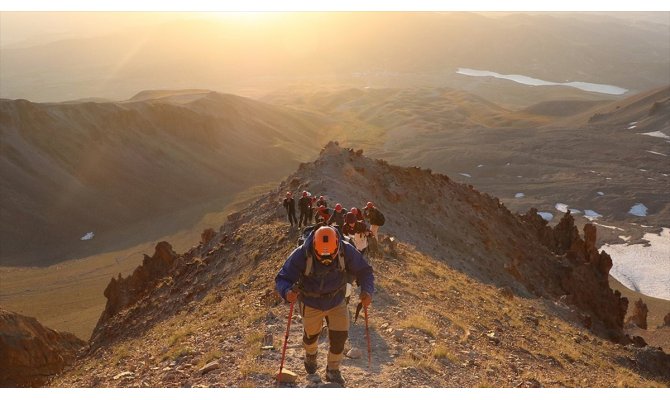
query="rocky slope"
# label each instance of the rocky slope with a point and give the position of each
(30, 353)
(468, 294)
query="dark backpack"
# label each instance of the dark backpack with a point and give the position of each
(377, 218)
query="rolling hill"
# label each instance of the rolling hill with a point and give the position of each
(73, 168)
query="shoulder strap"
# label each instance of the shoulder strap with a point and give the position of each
(310, 262)
(340, 256)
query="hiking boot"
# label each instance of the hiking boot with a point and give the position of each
(310, 363)
(334, 375)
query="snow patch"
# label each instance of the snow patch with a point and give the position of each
(639, 210)
(641, 268)
(632, 126)
(657, 134)
(87, 236)
(561, 207)
(600, 193)
(608, 226)
(464, 174)
(591, 215)
(480, 165)
(546, 216)
(575, 211)
(519, 195)
(625, 238)
(656, 152)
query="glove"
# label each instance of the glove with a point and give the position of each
(366, 299)
(291, 296)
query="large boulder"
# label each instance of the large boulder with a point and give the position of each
(30, 353)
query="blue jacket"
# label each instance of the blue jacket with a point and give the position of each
(324, 278)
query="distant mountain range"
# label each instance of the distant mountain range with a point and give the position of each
(78, 167)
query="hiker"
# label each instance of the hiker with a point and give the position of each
(358, 214)
(337, 217)
(322, 214)
(357, 231)
(316, 274)
(304, 204)
(321, 202)
(289, 205)
(375, 217)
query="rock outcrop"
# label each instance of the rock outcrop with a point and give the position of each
(639, 315)
(122, 292)
(666, 319)
(585, 280)
(30, 353)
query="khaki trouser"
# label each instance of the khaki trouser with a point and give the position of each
(338, 328)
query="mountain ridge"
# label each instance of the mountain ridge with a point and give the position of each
(218, 296)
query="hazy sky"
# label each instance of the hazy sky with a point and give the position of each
(23, 28)
(38, 27)
(19, 29)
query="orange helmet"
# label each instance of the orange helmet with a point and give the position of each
(326, 244)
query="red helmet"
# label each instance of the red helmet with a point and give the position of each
(369, 205)
(326, 244)
(350, 218)
(304, 193)
(338, 207)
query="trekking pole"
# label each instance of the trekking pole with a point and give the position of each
(283, 352)
(367, 335)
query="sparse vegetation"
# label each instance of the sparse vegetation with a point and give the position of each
(179, 335)
(441, 351)
(422, 323)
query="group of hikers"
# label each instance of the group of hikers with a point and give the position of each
(313, 208)
(319, 272)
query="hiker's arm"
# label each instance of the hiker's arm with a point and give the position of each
(361, 269)
(290, 272)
